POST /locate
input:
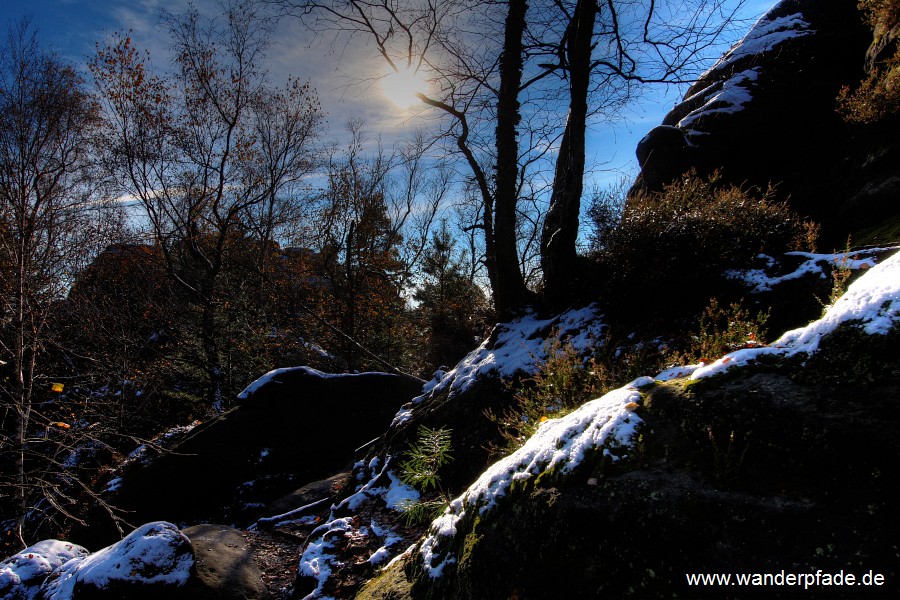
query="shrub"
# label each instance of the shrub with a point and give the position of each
(566, 381)
(605, 208)
(723, 330)
(878, 95)
(561, 384)
(672, 248)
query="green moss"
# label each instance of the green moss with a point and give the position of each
(391, 584)
(469, 543)
(887, 232)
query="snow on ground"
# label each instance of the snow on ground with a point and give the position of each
(316, 561)
(514, 347)
(759, 281)
(559, 444)
(153, 554)
(21, 574)
(388, 537)
(380, 484)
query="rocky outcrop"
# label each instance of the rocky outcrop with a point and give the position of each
(783, 464)
(766, 113)
(292, 426)
(757, 474)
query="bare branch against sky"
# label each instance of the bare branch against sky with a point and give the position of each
(347, 80)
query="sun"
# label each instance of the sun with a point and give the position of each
(401, 87)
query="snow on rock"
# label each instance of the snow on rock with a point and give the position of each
(271, 376)
(559, 445)
(759, 281)
(727, 96)
(155, 554)
(268, 377)
(21, 574)
(732, 93)
(765, 35)
(872, 303)
(514, 347)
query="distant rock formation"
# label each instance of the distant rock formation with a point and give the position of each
(766, 113)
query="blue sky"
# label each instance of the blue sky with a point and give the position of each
(73, 27)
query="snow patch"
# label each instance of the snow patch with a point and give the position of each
(22, 574)
(518, 347)
(316, 561)
(872, 302)
(728, 96)
(759, 281)
(765, 34)
(382, 485)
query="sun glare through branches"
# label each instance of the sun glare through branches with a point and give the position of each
(401, 87)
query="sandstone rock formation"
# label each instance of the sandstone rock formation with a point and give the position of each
(765, 113)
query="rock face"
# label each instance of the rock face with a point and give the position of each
(766, 113)
(775, 459)
(757, 474)
(292, 426)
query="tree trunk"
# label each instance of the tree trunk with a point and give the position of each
(216, 390)
(560, 230)
(509, 288)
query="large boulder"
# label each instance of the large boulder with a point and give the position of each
(292, 426)
(224, 568)
(155, 560)
(757, 474)
(22, 574)
(766, 113)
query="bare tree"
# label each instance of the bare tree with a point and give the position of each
(215, 155)
(374, 219)
(519, 85)
(47, 231)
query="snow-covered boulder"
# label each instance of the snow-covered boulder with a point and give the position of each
(153, 561)
(765, 113)
(22, 574)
